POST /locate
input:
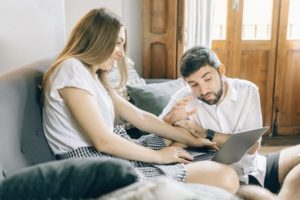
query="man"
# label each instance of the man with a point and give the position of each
(223, 105)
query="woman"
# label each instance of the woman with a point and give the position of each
(80, 107)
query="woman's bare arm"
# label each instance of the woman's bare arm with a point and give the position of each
(152, 124)
(87, 114)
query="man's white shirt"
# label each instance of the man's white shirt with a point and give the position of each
(239, 110)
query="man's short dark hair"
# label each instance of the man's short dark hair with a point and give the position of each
(197, 57)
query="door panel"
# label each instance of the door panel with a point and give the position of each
(159, 38)
(287, 86)
(288, 92)
(269, 56)
(255, 69)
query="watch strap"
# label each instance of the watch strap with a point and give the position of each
(210, 134)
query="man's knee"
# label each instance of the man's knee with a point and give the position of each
(290, 187)
(289, 159)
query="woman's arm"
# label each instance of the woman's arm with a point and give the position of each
(152, 124)
(87, 114)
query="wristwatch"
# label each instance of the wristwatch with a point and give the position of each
(210, 134)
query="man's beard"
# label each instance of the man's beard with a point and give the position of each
(217, 96)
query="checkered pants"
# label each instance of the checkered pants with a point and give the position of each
(145, 170)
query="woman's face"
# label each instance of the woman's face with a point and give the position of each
(118, 52)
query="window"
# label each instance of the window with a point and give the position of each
(220, 20)
(257, 20)
(293, 29)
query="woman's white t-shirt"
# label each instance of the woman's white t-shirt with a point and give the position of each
(61, 130)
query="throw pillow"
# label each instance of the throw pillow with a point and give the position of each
(70, 179)
(133, 79)
(155, 96)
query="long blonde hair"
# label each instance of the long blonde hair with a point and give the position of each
(92, 41)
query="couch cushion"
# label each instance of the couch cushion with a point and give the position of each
(134, 79)
(22, 139)
(155, 96)
(69, 179)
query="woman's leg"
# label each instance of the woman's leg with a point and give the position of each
(212, 173)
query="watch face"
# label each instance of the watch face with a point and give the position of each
(210, 134)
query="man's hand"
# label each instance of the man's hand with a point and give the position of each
(200, 134)
(195, 141)
(178, 111)
(192, 127)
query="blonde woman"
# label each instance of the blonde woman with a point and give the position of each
(80, 107)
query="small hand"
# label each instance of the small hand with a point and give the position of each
(173, 154)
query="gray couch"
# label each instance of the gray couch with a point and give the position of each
(26, 161)
(23, 143)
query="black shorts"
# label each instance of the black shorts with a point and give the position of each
(271, 179)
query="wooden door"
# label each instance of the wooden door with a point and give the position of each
(162, 36)
(251, 54)
(287, 85)
(271, 61)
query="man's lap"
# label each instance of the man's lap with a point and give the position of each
(271, 178)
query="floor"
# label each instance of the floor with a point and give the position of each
(269, 149)
(272, 144)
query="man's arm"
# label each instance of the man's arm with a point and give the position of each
(218, 138)
(175, 114)
(198, 131)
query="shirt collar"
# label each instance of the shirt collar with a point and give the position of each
(231, 91)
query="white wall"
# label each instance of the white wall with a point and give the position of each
(128, 10)
(133, 21)
(29, 30)
(34, 29)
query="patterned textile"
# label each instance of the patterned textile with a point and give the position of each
(145, 170)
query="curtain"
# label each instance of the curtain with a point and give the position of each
(199, 23)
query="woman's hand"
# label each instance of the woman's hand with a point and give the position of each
(173, 154)
(192, 127)
(178, 111)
